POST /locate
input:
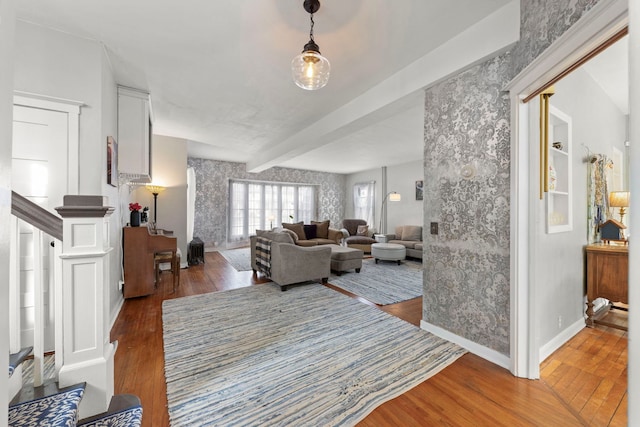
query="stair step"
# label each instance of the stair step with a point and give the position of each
(15, 359)
(61, 407)
(124, 410)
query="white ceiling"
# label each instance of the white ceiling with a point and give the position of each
(218, 71)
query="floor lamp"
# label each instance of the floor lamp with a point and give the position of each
(155, 190)
(392, 196)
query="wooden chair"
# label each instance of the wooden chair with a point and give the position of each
(174, 259)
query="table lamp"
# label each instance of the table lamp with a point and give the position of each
(619, 199)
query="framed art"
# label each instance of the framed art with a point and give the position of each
(112, 161)
(419, 190)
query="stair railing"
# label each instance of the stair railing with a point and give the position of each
(44, 224)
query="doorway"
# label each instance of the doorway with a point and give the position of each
(528, 215)
(44, 169)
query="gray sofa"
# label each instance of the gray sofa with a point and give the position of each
(312, 234)
(291, 263)
(409, 236)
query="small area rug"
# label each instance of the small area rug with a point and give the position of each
(310, 356)
(240, 258)
(383, 283)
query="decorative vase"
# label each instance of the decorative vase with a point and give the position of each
(134, 220)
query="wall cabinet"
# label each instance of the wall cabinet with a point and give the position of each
(559, 197)
(134, 135)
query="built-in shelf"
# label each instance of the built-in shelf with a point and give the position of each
(559, 197)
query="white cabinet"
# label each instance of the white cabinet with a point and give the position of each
(559, 197)
(134, 135)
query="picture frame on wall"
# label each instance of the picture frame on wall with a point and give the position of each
(419, 190)
(112, 161)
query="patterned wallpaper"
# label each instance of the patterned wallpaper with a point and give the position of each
(212, 194)
(467, 183)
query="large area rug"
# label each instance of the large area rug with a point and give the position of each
(309, 356)
(240, 258)
(383, 283)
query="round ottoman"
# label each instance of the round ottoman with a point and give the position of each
(388, 252)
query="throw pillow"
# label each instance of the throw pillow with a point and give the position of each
(362, 230)
(412, 233)
(323, 229)
(311, 231)
(296, 228)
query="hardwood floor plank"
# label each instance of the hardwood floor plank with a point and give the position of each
(470, 392)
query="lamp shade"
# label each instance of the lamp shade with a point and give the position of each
(310, 70)
(155, 189)
(395, 197)
(619, 199)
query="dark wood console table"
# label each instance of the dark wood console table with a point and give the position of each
(607, 277)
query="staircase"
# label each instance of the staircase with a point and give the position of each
(79, 389)
(61, 408)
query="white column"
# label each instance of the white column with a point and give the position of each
(86, 351)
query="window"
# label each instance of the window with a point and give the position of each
(364, 201)
(255, 205)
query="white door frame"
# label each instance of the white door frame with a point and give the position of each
(72, 109)
(599, 24)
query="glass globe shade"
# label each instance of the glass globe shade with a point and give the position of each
(310, 70)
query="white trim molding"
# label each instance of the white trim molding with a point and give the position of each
(72, 109)
(473, 347)
(547, 349)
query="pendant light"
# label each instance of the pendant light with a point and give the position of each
(310, 69)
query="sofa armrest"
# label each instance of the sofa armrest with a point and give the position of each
(335, 235)
(294, 264)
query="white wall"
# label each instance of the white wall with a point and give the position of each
(56, 64)
(597, 125)
(60, 65)
(7, 26)
(169, 169)
(400, 178)
(110, 128)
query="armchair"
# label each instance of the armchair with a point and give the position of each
(362, 242)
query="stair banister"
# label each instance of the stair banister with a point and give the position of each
(84, 318)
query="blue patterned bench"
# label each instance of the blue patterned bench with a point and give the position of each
(60, 409)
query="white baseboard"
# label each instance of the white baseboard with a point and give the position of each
(557, 341)
(475, 348)
(116, 311)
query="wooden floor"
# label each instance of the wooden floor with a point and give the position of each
(583, 383)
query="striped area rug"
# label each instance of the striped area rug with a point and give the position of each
(383, 283)
(309, 356)
(240, 258)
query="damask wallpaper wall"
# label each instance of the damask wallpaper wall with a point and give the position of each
(212, 194)
(467, 183)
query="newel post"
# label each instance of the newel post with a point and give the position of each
(87, 354)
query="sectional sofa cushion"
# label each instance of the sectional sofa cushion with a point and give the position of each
(412, 233)
(280, 237)
(322, 229)
(297, 228)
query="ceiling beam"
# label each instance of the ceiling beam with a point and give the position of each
(495, 33)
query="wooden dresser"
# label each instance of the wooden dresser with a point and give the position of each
(139, 247)
(607, 277)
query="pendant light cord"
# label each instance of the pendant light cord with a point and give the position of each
(311, 30)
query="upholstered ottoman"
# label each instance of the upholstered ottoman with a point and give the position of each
(344, 258)
(388, 252)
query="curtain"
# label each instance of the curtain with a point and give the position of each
(364, 201)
